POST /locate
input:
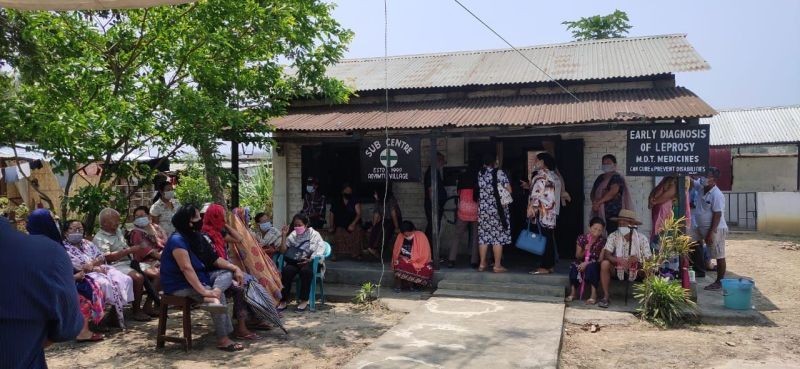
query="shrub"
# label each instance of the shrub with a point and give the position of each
(257, 190)
(192, 186)
(366, 294)
(663, 302)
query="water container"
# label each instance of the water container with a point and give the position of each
(738, 293)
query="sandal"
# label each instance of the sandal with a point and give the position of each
(591, 302)
(299, 310)
(481, 268)
(499, 270)
(141, 317)
(233, 347)
(569, 299)
(716, 286)
(603, 303)
(249, 337)
(96, 337)
(213, 308)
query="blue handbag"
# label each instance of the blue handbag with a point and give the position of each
(530, 241)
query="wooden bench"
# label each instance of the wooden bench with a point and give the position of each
(183, 303)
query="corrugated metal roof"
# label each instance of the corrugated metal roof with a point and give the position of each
(667, 103)
(573, 61)
(755, 126)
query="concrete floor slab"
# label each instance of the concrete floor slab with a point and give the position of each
(470, 333)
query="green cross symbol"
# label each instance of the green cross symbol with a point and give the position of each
(389, 158)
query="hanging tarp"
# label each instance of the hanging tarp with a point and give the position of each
(85, 4)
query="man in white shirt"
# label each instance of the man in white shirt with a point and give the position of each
(709, 220)
(626, 249)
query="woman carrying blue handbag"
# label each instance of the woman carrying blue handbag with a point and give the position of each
(543, 206)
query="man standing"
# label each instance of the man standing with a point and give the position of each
(441, 193)
(314, 204)
(111, 242)
(710, 226)
(39, 303)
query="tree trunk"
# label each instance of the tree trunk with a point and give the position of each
(212, 174)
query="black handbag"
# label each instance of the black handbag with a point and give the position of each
(296, 254)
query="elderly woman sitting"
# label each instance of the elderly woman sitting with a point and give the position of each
(86, 257)
(299, 248)
(90, 296)
(183, 272)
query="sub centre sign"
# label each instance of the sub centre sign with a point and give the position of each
(667, 149)
(399, 157)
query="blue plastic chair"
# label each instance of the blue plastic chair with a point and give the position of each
(317, 277)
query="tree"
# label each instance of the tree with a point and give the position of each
(598, 27)
(99, 86)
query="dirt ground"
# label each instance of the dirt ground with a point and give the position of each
(328, 338)
(773, 342)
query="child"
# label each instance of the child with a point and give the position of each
(586, 268)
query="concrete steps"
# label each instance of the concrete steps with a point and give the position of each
(507, 288)
(496, 296)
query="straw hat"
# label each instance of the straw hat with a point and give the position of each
(628, 215)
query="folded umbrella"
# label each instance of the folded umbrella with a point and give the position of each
(261, 304)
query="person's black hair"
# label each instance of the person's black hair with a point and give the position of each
(143, 208)
(609, 157)
(301, 217)
(597, 220)
(183, 218)
(345, 185)
(258, 216)
(489, 159)
(549, 160)
(407, 226)
(714, 171)
(65, 225)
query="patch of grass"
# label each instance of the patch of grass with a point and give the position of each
(366, 295)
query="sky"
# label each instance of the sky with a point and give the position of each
(753, 47)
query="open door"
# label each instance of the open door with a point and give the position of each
(569, 159)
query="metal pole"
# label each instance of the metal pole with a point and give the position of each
(434, 165)
(798, 167)
(235, 173)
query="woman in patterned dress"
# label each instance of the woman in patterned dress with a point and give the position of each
(544, 206)
(85, 256)
(494, 221)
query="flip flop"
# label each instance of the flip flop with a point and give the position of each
(282, 309)
(233, 347)
(481, 268)
(299, 310)
(96, 337)
(499, 270)
(603, 303)
(591, 302)
(569, 299)
(713, 287)
(249, 337)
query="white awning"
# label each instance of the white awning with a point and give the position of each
(85, 4)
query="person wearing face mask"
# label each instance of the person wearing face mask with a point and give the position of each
(624, 253)
(411, 259)
(544, 205)
(610, 193)
(117, 287)
(266, 234)
(299, 247)
(346, 225)
(585, 270)
(710, 228)
(385, 223)
(314, 203)
(164, 207)
(152, 240)
(186, 264)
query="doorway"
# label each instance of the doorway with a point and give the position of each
(515, 153)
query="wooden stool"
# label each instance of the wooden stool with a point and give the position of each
(185, 304)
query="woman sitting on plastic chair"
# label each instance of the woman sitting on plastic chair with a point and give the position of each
(299, 248)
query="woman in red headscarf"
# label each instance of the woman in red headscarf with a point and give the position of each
(218, 231)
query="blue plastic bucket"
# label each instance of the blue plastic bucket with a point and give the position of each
(738, 293)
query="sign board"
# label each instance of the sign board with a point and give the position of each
(399, 156)
(661, 150)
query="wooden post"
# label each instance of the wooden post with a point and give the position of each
(434, 165)
(235, 173)
(798, 166)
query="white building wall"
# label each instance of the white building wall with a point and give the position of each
(411, 195)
